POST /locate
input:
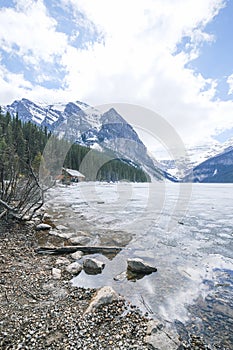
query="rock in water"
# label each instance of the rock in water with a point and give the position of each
(75, 268)
(93, 266)
(139, 266)
(104, 296)
(43, 227)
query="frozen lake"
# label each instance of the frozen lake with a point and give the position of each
(184, 230)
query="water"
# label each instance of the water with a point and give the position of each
(185, 232)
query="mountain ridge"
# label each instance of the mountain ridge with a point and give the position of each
(80, 123)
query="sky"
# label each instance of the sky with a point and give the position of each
(171, 56)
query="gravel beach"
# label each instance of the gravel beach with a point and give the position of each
(40, 311)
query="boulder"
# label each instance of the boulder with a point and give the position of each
(43, 227)
(75, 268)
(93, 266)
(104, 296)
(77, 255)
(159, 338)
(153, 326)
(56, 273)
(137, 265)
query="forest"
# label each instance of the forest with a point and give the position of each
(21, 157)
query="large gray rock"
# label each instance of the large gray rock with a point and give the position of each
(93, 266)
(159, 338)
(104, 296)
(153, 326)
(137, 265)
(75, 268)
(43, 227)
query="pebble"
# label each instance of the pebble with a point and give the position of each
(76, 255)
(56, 273)
(40, 312)
(43, 227)
(75, 268)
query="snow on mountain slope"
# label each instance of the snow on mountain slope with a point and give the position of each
(86, 125)
(218, 168)
(39, 114)
(196, 155)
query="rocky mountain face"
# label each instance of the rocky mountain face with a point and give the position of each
(205, 163)
(218, 168)
(85, 125)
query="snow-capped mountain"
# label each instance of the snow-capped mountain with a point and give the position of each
(195, 155)
(218, 168)
(85, 125)
(36, 113)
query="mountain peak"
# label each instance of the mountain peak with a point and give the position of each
(81, 123)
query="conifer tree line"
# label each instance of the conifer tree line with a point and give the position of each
(103, 166)
(22, 144)
(21, 149)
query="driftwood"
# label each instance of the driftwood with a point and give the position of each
(73, 249)
(3, 213)
(7, 206)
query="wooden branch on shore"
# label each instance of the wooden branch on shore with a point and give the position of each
(7, 206)
(3, 213)
(73, 249)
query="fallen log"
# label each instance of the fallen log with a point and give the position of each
(73, 249)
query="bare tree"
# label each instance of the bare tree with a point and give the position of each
(21, 194)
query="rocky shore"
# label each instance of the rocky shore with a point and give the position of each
(40, 309)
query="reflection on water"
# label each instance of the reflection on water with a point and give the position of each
(194, 259)
(213, 316)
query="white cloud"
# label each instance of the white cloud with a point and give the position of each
(230, 83)
(11, 85)
(29, 32)
(136, 63)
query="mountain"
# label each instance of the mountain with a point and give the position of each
(196, 155)
(87, 126)
(218, 168)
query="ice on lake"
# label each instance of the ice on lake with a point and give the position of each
(184, 230)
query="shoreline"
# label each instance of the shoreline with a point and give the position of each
(39, 311)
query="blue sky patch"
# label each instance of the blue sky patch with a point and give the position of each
(224, 136)
(80, 30)
(215, 60)
(7, 3)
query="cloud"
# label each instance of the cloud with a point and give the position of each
(137, 62)
(131, 57)
(230, 83)
(30, 32)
